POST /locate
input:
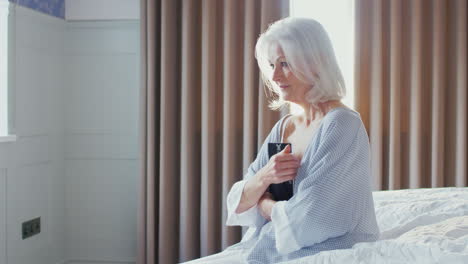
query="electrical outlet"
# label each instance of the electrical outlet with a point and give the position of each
(31, 228)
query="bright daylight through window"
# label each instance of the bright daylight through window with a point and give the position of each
(337, 17)
(3, 67)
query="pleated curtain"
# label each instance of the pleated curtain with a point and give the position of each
(411, 90)
(203, 116)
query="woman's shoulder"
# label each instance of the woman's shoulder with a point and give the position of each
(342, 117)
(342, 113)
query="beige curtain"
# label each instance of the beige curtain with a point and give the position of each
(203, 116)
(411, 90)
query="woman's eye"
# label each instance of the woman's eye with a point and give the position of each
(284, 64)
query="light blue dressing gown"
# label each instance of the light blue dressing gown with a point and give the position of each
(332, 206)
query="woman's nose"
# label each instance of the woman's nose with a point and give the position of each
(277, 74)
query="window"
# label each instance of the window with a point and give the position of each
(337, 17)
(4, 67)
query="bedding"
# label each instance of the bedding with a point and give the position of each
(417, 226)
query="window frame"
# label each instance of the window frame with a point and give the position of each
(6, 75)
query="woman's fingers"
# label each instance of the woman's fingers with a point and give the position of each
(287, 149)
(285, 157)
(285, 175)
(268, 195)
(283, 179)
(286, 172)
(264, 214)
(292, 164)
(280, 165)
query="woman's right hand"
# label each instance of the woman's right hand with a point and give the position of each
(280, 168)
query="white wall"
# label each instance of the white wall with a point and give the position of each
(75, 162)
(101, 135)
(32, 169)
(3, 192)
(102, 9)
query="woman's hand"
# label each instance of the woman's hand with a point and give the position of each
(280, 168)
(265, 205)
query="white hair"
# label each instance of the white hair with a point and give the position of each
(310, 56)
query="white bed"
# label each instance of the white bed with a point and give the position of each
(417, 226)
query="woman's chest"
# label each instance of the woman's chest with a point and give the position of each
(300, 137)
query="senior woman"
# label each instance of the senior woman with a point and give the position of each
(329, 165)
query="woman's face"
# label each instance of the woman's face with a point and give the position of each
(292, 89)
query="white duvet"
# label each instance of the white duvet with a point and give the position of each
(417, 226)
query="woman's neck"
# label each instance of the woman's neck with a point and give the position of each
(316, 112)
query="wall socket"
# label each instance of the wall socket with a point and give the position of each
(31, 228)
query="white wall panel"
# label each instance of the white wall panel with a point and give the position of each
(32, 150)
(75, 161)
(7, 152)
(32, 92)
(102, 140)
(56, 210)
(3, 204)
(105, 93)
(101, 215)
(100, 262)
(34, 186)
(102, 37)
(28, 189)
(102, 146)
(38, 31)
(102, 9)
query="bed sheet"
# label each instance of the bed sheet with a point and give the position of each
(417, 226)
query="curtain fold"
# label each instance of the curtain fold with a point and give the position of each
(190, 131)
(232, 93)
(411, 90)
(203, 116)
(210, 229)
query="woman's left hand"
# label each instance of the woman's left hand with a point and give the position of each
(265, 205)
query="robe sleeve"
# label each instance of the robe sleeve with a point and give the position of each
(334, 188)
(252, 216)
